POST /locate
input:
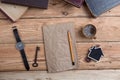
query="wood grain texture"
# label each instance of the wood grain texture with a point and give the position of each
(107, 29)
(10, 59)
(69, 75)
(30, 27)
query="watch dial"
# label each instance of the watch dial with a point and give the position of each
(20, 46)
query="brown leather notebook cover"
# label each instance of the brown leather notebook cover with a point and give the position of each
(31, 3)
(13, 12)
(57, 47)
(76, 3)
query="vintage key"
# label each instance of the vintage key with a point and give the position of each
(35, 64)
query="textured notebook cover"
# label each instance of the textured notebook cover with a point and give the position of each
(76, 3)
(57, 47)
(30, 3)
(97, 7)
(14, 12)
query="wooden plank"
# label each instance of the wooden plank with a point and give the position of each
(10, 59)
(65, 10)
(31, 29)
(69, 75)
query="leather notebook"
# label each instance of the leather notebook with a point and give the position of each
(31, 3)
(13, 12)
(57, 48)
(76, 3)
(97, 7)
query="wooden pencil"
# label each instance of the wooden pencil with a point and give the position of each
(71, 47)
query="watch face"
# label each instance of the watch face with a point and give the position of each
(20, 46)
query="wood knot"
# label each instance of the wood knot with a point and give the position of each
(65, 13)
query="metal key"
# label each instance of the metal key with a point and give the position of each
(35, 64)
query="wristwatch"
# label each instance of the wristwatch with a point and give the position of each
(20, 47)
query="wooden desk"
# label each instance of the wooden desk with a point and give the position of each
(68, 75)
(30, 27)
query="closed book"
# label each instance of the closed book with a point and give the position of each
(31, 3)
(13, 12)
(97, 7)
(76, 3)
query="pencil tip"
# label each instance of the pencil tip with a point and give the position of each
(73, 63)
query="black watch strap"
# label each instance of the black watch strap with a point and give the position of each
(24, 59)
(17, 37)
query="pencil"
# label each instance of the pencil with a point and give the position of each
(71, 47)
